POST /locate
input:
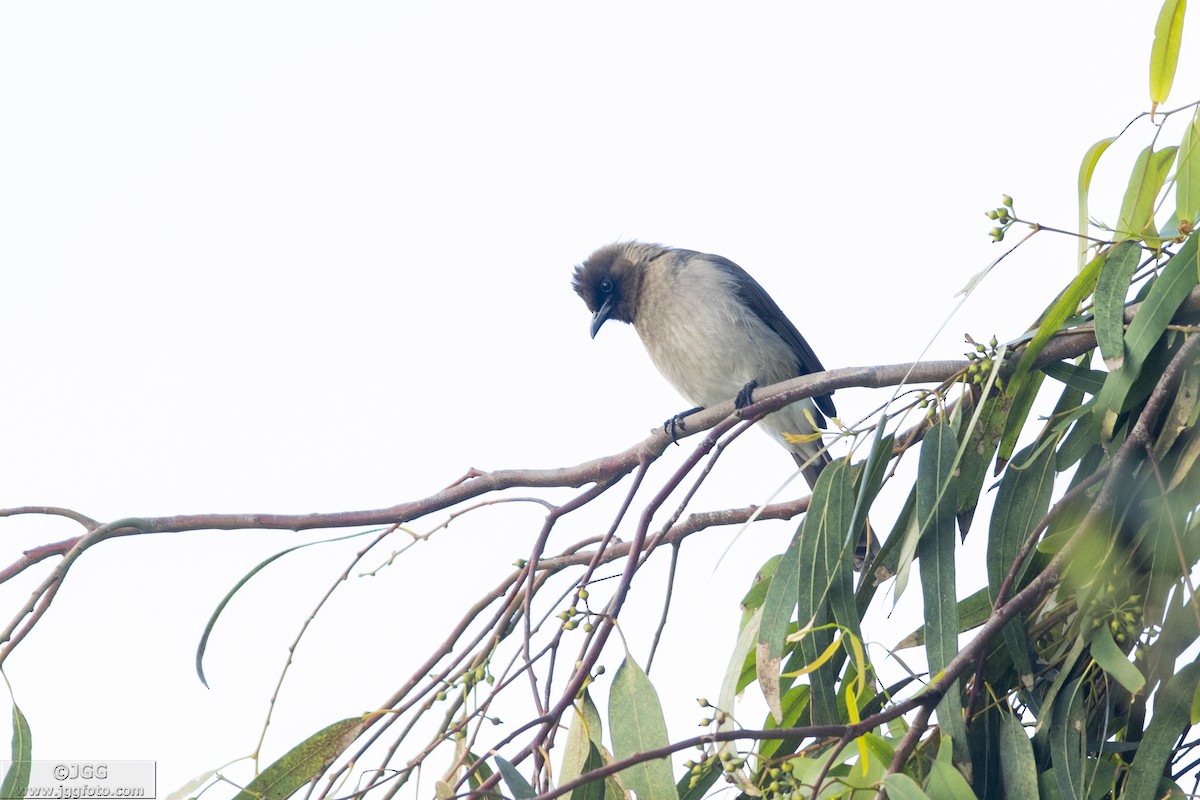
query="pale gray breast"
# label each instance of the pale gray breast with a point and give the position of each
(701, 337)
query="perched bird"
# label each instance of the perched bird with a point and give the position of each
(713, 332)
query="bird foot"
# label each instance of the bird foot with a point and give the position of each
(743, 398)
(675, 424)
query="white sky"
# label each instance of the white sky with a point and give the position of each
(315, 257)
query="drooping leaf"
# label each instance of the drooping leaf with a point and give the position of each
(1172, 710)
(1017, 764)
(1078, 376)
(1178, 278)
(1068, 744)
(212, 621)
(1111, 289)
(1185, 406)
(637, 726)
(741, 671)
(833, 511)
(901, 787)
(937, 494)
(973, 611)
(1164, 55)
(1021, 502)
(775, 617)
(947, 783)
(1113, 661)
(1086, 168)
(514, 780)
(1187, 176)
(1024, 383)
(1136, 220)
(585, 732)
(592, 790)
(16, 779)
(305, 761)
(982, 442)
(762, 581)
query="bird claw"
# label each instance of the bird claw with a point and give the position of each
(676, 424)
(743, 398)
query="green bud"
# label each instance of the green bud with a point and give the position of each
(996, 233)
(704, 723)
(583, 594)
(569, 625)
(1006, 200)
(441, 695)
(993, 214)
(703, 702)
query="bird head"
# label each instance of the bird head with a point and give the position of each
(610, 281)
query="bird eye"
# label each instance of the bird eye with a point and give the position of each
(606, 286)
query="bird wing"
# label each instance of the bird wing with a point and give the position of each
(757, 299)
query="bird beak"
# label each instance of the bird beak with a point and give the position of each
(601, 316)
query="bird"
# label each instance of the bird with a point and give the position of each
(715, 334)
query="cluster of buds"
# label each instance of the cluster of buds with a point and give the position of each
(1123, 618)
(573, 615)
(982, 357)
(1005, 215)
(780, 783)
(468, 680)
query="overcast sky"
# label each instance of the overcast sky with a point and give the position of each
(286, 257)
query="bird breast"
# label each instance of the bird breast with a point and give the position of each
(702, 338)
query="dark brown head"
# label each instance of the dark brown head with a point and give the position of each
(610, 281)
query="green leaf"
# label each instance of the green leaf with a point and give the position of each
(16, 780)
(1077, 376)
(1111, 289)
(1166, 294)
(1021, 502)
(775, 618)
(479, 775)
(1164, 55)
(937, 494)
(838, 532)
(1024, 384)
(824, 577)
(947, 783)
(592, 790)
(1187, 175)
(305, 761)
(1172, 710)
(901, 787)
(1136, 220)
(1017, 765)
(515, 781)
(1086, 168)
(637, 725)
(212, 621)
(973, 611)
(1068, 744)
(873, 472)
(1113, 661)
(586, 731)
(982, 441)
(742, 665)
(757, 593)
